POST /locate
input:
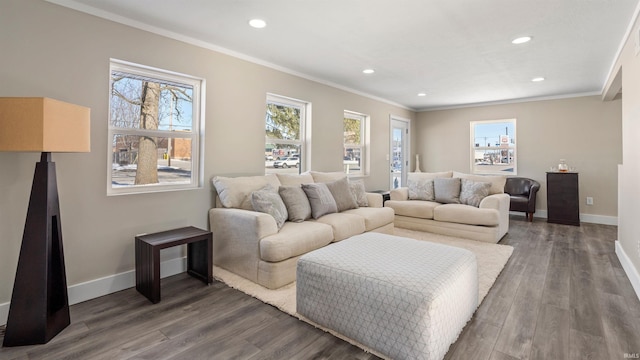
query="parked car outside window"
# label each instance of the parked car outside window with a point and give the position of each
(287, 162)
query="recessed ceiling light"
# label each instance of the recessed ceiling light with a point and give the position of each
(537, 79)
(521, 40)
(422, 94)
(368, 71)
(257, 23)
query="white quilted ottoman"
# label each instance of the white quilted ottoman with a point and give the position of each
(404, 298)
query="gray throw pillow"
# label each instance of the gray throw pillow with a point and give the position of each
(358, 192)
(320, 198)
(267, 200)
(296, 202)
(447, 191)
(342, 194)
(472, 192)
(421, 189)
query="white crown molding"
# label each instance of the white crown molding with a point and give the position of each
(625, 38)
(511, 101)
(71, 4)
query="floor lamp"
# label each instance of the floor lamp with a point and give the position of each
(39, 307)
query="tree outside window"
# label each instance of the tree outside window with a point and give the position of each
(154, 135)
(285, 123)
(354, 154)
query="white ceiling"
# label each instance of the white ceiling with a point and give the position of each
(458, 52)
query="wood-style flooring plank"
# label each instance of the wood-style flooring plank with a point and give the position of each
(551, 339)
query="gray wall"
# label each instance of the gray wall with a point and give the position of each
(585, 131)
(55, 52)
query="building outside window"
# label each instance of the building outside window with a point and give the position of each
(355, 143)
(493, 147)
(154, 130)
(286, 125)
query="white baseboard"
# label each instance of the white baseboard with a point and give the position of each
(588, 218)
(108, 284)
(629, 269)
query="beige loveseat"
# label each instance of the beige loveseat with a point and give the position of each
(487, 221)
(250, 244)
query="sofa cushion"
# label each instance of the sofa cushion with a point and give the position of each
(414, 208)
(236, 192)
(446, 191)
(465, 214)
(358, 192)
(373, 217)
(268, 201)
(296, 202)
(295, 239)
(344, 225)
(324, 177)
(420, 189)
(342, 194)
(428, 176)
(320, 199)
(295, 179)
(472, 192)
(497, 181)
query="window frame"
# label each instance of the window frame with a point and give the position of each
(364, 143)
(196, 135)
(304, 142)
(511, 147)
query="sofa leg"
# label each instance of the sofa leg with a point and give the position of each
(530, 217)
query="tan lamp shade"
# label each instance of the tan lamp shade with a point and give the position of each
(43, 125)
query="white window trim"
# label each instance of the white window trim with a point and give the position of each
(305, 128)
(196, 135)
(364, 142)
(473, 148)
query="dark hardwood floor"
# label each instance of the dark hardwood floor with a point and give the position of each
(562, 295)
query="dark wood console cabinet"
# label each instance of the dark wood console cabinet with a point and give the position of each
(563, 199)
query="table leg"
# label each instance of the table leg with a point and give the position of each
(199, 260)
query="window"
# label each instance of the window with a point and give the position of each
(286, 123)
(154, 130)
(493, 147)
(355, 140)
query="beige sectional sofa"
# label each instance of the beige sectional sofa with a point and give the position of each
(250, 244)
(486, 220)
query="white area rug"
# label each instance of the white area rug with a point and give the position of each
(491, 259)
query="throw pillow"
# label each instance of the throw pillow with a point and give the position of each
(447, 190)
(358, 192)
(320, 199)
(236, 192)
(472, 192)
(296, 202)
(497, 181)
(420, 189)
(267, 200)
(342, 194)
(324, 177)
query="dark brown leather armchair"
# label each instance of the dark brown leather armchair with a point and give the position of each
(523, 193)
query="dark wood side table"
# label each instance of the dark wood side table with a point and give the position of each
(563, 200)
(386, 194)
(199, 257)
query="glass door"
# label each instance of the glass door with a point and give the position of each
(399, 159)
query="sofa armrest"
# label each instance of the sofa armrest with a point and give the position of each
(236, 239)
(374, 200)
(401, 193)
(496, 201)
(501, 203)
